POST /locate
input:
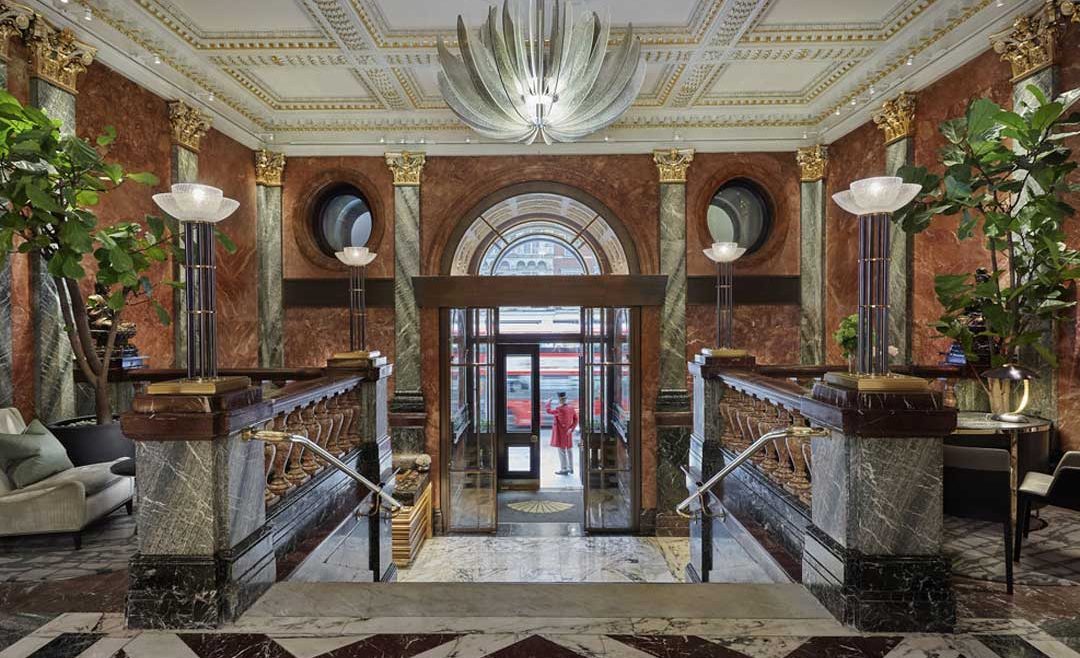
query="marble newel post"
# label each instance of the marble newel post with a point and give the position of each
(268, 173)
(813, 161)
(407, 404)
(873, 553)
(673, 401)
(56, 60)
(1029, 47)
(189, 124)
(896, 118)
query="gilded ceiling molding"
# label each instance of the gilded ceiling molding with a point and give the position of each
(897, 118)
(812, 162)
(189, 124)
(672, 164)
(15, 20)
(269, 167)
(1028, 46)
(406, 167)
(56, 56)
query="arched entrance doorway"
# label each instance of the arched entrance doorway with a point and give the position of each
(540, 402)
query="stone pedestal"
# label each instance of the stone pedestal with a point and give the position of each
(873, 553)
(205, 551)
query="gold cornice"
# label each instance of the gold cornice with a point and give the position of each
(56, 56)
(672, 164)
(269, 167)
(406, 167)
(15, 20)
(189, 125)
(897, 118)
(1028, 46)
(813, 161)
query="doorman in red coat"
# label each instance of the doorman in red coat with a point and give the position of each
(562, 433)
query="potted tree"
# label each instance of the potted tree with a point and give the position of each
(1006, 174)
(49, 182)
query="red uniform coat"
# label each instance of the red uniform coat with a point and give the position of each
(562, 430)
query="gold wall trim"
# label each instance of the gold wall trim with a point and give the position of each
(896, 118)
(672, 164)
(813, 162)
(406, 167)
(269, 168)
(189, 124)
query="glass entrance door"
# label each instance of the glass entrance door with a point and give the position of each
(608, 419)
(472, 477)
(519, 416)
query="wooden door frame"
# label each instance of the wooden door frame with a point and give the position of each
(502, 350)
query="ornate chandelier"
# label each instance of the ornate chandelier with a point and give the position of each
(540, 73)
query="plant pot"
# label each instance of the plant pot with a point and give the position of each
(87, 442)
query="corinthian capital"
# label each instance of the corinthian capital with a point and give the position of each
(15, 20)
(1028, 46)
(189, 124)
(897, 117)
(56, 56)
(269, 167)
(812, 162)
(406, 168)
(672, 164)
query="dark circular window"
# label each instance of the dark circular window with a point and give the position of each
(740, 212)
(342, 219)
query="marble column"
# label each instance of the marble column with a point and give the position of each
(56, 61)
(188, 125)
(408, 399)
(873, 553)
(813, 161)
(205, 551)
(268, 171)
(896, 118)
(673, 402)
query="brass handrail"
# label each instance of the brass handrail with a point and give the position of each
(273, 436)
(743, 456)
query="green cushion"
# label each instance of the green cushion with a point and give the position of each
(32, 456)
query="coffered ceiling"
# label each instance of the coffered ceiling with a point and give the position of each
(353, 76)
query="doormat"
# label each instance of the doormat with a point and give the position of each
(539, 507)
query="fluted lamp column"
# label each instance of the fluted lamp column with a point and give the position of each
(724, 254)
(873, 200)
(198, 208)
(356, 259)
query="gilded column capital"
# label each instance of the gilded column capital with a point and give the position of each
(15, 20)
(1028, 46)
(269, 166)
(672, 164)
(897, 117)
(406, 167)
(56, 56)
(189, 124)
(812, 162)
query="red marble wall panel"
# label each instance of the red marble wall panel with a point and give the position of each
(1069, 329)
(859, 154)
(778, 176)
(22, 320)
(314, 334)
(937, 249)
(229, 165)
(142, 144)
(770, 332)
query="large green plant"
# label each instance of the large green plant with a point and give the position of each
(49, 181)
(1006, 175)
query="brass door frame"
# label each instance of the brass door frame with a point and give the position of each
(503, 438)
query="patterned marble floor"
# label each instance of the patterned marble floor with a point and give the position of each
(103, 636)
(107, 547)
(1050, 556)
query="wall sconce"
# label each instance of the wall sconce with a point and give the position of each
(724, 254)
(357, 259)
(874, 200)
(1002, 382)
(198, 208)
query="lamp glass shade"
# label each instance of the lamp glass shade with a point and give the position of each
(881, 194)
(724, 252)
(355, 256)
(196, 203)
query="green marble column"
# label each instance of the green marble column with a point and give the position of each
(7, 391)
(54, 365)
(188, 125)
(268, 170)
(813, 333)
(672, 166)
(408, 437)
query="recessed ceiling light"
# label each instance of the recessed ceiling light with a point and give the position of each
(468, 140)
(910, 60)
(678, 137)
(89, 15)
(210, 97)
(382, 140)
(853, 101)
(837, 111)
(157, 58)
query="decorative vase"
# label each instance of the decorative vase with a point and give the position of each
(1001, 395)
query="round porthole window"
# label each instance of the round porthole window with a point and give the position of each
(740, 212)
(342, 219)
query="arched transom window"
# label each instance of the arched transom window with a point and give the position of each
(538, 234)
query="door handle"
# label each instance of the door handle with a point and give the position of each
(534, 438)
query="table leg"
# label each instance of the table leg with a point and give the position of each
(1013, 485)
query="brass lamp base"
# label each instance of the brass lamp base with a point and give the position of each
(213, 386)
(724, 352)
(890, 383)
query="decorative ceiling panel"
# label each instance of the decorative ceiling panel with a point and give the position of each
(363, 72)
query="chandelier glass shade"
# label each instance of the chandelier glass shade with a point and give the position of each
(541, 70)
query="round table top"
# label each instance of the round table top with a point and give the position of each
(980, 422)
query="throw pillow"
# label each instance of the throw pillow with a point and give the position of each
(32, 456)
